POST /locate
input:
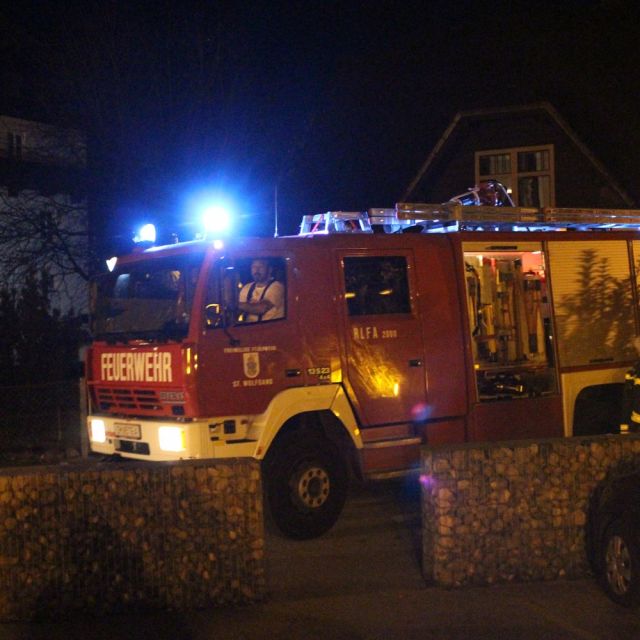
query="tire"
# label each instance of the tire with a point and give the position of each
(619, 564)
(306, 482)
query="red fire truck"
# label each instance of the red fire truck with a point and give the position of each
(420, 324)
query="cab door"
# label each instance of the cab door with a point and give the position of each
(243, 364)
(384, 369)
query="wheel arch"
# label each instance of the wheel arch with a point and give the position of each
(589, 400)
(324, 409)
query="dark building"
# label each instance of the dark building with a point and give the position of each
(530, 149)
(43, 208)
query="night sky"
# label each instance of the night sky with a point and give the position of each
(336, 103)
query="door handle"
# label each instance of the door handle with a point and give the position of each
(415, 362)
(292, 373)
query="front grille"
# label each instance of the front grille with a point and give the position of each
(127, 399)
(127, 446)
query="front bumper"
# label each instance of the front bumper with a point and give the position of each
(158, 440)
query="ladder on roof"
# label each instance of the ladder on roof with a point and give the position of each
(453, 214)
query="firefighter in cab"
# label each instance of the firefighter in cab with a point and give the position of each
(262, 298)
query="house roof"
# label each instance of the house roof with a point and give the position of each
(482, 113)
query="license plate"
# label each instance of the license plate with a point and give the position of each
(131, 431)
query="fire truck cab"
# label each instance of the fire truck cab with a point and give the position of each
(371, 334)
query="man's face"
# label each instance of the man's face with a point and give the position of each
(260, 271)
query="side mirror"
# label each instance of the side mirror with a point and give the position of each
(217, 316)
(213, 314)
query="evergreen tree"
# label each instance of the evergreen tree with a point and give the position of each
(38, 344)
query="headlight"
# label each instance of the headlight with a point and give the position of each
(171, 438)
(97, 431)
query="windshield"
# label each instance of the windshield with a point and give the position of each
(148, 300)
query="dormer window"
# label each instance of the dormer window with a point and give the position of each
(527, 171)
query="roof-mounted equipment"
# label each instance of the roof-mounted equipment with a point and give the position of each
(453, 216)
(371, 221)
(336, 222)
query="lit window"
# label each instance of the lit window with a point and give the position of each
(527, 171)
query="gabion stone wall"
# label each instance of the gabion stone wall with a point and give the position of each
(513, 511)
(104, 537)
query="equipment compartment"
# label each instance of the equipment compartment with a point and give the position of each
(510, 323)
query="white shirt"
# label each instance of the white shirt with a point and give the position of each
(273, 291)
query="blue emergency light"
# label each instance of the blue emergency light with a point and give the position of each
(146, 233)
(215, 219)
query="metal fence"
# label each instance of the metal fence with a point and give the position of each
(41, 418)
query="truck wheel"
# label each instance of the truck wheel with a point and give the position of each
(306, 482)
(619, 564)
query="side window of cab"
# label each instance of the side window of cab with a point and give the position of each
(262, 290)
(376, 285)
(251, 290)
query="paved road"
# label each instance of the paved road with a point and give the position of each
(363, 580)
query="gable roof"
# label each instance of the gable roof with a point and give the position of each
(540, 106)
